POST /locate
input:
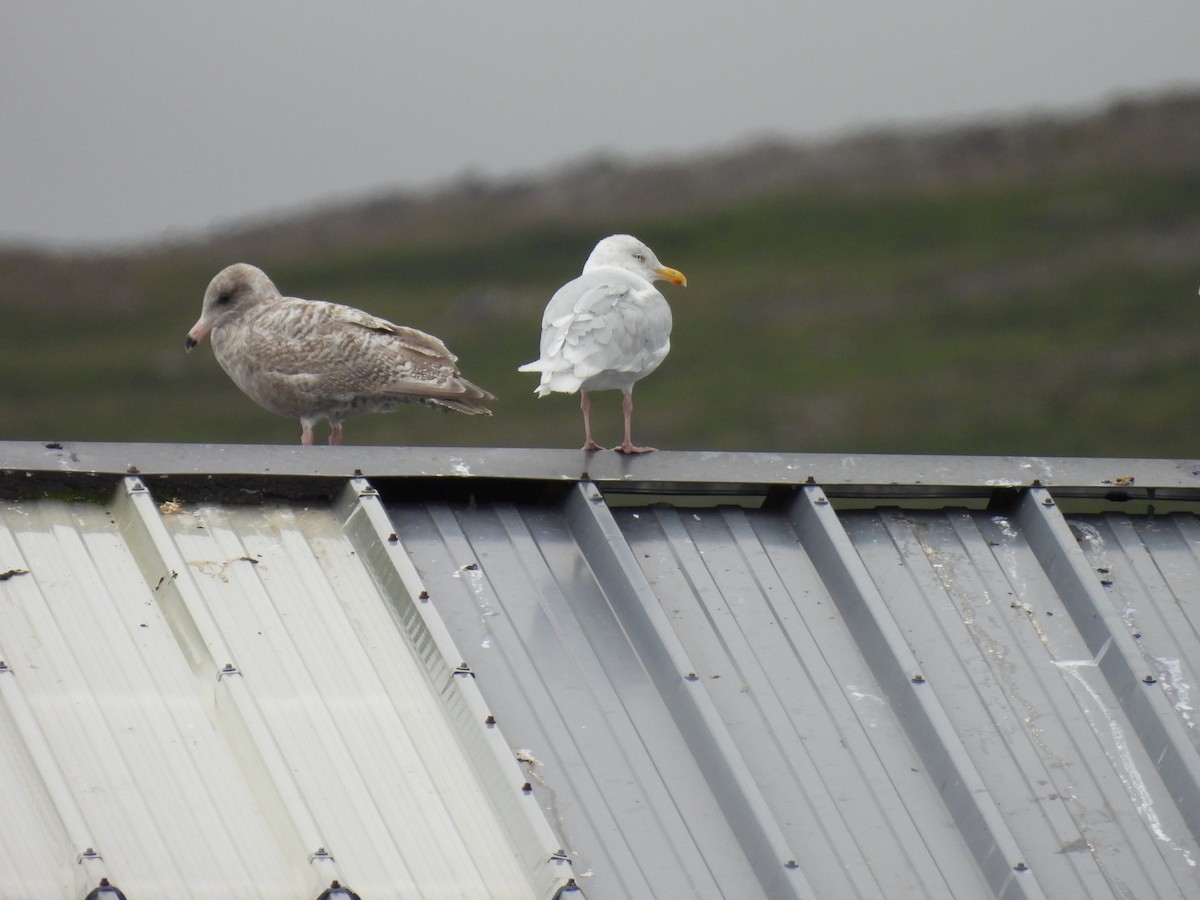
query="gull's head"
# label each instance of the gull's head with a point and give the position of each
(235, 289)
(627, 252)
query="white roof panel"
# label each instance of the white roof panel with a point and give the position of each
(217, 700)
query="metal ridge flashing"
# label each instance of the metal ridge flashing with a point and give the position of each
(665, 471)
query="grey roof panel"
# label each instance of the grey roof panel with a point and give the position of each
(1150, 569)
(1019, 680)
(804, 705)
(553, 586)
(820, 697)
(551, 656)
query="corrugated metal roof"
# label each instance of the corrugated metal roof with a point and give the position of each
(506, 673)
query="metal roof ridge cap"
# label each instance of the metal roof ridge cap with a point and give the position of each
(379, 545)
(604, 546)
(666, 466)
(1115, 651)
(847, 578)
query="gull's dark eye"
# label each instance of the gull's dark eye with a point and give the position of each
(224, 299)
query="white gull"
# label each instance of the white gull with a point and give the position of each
(607, 329)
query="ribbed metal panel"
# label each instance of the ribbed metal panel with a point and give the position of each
(553, 653)
(1149, 567)
(482, 681)
(913, 710)
(982, 600)
(217, 701)
(752, 604)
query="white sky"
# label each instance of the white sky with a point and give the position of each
(134, 119)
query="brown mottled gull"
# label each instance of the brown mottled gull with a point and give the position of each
(607, 329)
(313, 360)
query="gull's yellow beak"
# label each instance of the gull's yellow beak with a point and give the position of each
(672, 275)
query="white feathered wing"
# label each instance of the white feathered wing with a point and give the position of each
(606, 329)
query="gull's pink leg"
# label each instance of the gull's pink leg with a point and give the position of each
(627, 446)
(586, 405)
(335, 434)
(306, 433)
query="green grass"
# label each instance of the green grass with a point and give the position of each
(1035, 317)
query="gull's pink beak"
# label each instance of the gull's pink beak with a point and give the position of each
(198, 333)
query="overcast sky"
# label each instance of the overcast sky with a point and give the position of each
(133, 120)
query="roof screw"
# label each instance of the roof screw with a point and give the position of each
(810, 480)
(464, 669)
(1048, 502)
(527, 788)
(132, 470)
(358, 473)
(1149, 679)
(1020, 866)
(918, 678)
(490, 721)
(822, 501)
(424, 595)
(3, 666)
(393, 537)
(692, 676)
(791, 864)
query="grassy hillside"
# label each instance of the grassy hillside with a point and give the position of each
(1017, 287)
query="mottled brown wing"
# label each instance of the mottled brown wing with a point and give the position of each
(395, 360)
